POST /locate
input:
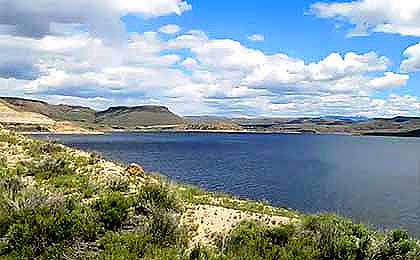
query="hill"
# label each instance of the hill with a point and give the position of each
(56, 112)
(8, 115)
(121, 116)
(139, 116)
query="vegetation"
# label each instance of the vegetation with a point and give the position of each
(57, 203)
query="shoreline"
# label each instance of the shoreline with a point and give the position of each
(227, 132)
(189, 218)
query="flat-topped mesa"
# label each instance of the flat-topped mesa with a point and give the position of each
(146, 108)
(138, 116)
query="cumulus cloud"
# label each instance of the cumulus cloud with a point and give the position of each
(390, 80)
(170, 29)
(386, 16)
(101, 17)
(224, 76)
(256, 38)
(66, 57)
(412, 63)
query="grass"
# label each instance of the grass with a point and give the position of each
(53, 206)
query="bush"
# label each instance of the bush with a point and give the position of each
(35, 231)
(322, 238)
(113, 209)
(156, 197)
(164, 228)
(338, 238)
(50, 168)
(124, 246)
(397, 245)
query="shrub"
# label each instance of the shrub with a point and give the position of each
(113, 209)
(50, 168)
(338, 238)
(164, 228)
(397, 245)
(157, 197)
(36, 231)
(124, 246)
(39, 148)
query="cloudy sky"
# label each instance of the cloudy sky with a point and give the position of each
(227, 58)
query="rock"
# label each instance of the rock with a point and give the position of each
(135, 170)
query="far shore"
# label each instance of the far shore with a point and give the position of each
(188, 131)
(367, 134)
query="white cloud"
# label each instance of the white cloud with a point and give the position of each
(189, 72)
(190, 63)
(387, 16)
(390, 80)
(256, 38)
(101, 17)
(189, 40)
(170, 29)
(412, 63)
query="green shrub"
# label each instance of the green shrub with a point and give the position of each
(8, 137)
(50, 168)
(157, 196)
(35, 231)
(124, 246)
(71, 184)
(37, 149)
(250, 241)
(397, 245)
(338, 238)
(164, 228)
(113, 209)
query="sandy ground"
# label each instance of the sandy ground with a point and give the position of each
(214, 222)
(8, 115)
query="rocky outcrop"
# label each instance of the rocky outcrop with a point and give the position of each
(135, 169)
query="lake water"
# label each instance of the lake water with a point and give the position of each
(373, 180)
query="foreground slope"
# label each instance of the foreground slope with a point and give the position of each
(61, 203)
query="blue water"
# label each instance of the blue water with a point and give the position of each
(373, 180)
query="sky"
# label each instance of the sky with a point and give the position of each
(227, 58)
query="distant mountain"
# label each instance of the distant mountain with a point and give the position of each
(400, 119)
(56, 112)
(346, 118)
(413, 133)
(138, 116)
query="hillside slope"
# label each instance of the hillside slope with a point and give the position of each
(138, 116)
(8, 115)
(56, 112)
(124, 117)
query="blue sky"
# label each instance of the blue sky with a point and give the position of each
(312, 57)
(288, 27)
